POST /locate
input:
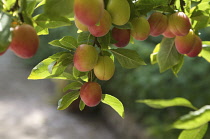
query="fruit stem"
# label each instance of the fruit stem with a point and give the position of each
(96, 42)
(182, 4)
(90, 78)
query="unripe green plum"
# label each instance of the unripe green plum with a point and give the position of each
(196, 48)
(184, 44)
(179, 24)
(158, 23)
(85, 57)
(168, 34)
(91, 93)
(103, 28)
(119, 11)
(122, 36)
(140, 28)
(104, 69)
(25, 41)
(79, 25)
(88, 12)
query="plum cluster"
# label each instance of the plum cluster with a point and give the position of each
(186, 41)
(87, 58)
(25, 41)
(93, 17)
(176, 25)
(98, 18)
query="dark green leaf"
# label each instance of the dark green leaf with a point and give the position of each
(67, 99)
(85, 38)
(128, 58)
(194, 119)
(45, 21)
(145, 6)
(197, 133)
(1, 5)
(59, 8)
(5, 33)
(115, 103)
(81, 105)
(72, 86)
(41, 70)
(167, 56)
(69, 42)
(104, 41)
(164, 103)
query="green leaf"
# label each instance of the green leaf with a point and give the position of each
(104, 41)
(50, 67)
(164, 103)
(205, 53)
(67, 99)
(69, 42)
(128, 58)
(41, 71)
(85, 38)
(45, 21)
(167, 56)
(126, 26)
(5, 33)
(115, 103)
(42, 2)
(145, 6)
(63, 76)
(8, 4)
(72, 86)
(57, 44)
(30, 7)
(59, 8)
(24, 9)
(201, 15)
(153, 56)
(194, 119)
(66, 42)
(41, 31)
(77, 73)
(176, 68)
(197, 133)
(81, 105)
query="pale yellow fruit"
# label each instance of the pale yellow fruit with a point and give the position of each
(119, 11)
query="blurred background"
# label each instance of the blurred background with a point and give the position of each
(28, 108)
